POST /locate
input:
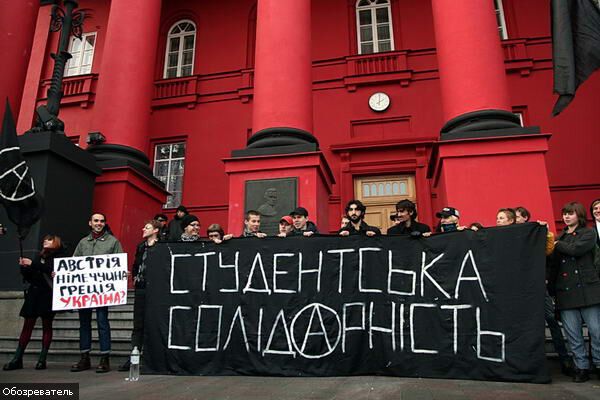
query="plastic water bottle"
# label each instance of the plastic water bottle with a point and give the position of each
(134, 368)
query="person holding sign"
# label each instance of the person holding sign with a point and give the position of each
(38, 300)
(406, 218)
(355, 211)
(577, 287)
(449, 221)
(302, 226)
(252, 225)
(286, 224)
(505, 217)
(98, 242)
(191, 228)
(150, 236)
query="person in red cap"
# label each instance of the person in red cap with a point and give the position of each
(286, 225)
(302, 226)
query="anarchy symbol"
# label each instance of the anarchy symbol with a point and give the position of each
(15, 183)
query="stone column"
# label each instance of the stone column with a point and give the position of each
(471, 66)
(126, 79)
(17, 28)
(282, 113)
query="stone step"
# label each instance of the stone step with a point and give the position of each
(124, 333)
(120, 314)
(117, 357)
(64, 343)
(74, 324)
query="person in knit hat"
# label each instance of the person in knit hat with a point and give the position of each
(190, 224)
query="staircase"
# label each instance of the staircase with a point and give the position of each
(65, 339)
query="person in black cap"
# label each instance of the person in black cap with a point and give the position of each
(355, 211)
(302, 226)
(163, 233)
(449, 221)
(190, 224)
(406, 215)
(175, 229)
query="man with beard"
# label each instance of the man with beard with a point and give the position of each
(355, 211)
(98, 242)
(406, 214)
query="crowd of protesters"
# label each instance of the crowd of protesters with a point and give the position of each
(572, 273)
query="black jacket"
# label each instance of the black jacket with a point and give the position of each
(363, 229)
(575, 278)
(402, 229)
(139, 265)
(310, 227)
(38, 295)
(175, 229)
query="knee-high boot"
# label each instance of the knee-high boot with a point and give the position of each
(41, 364)
(17, 361)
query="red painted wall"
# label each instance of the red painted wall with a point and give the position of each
(356, 141)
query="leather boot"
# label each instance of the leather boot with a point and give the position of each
(16, 362)
(581, 375)
(41, 364)
(103, 365)
(82, 364)
(567, 368)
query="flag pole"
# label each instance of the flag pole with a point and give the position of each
(20, 247)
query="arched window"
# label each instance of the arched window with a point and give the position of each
(181, 43)
(374, 26)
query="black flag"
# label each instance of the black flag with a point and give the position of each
(17, 190)
(575, 46)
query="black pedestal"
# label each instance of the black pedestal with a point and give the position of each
(64, 174)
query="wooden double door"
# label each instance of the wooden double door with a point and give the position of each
(380, 195)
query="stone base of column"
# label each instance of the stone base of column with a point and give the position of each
(64, 175)
(479, 176)
(478, 123)
(279, 140)
(310, 171)
(128, 198)
(127, 191)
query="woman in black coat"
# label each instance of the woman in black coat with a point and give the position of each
(577, 284)
(38, 300)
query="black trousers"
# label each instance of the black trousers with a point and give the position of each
(139, 306)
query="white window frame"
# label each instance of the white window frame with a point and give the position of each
(373, 7)
(169, 161)
(500, 19)
(77, 60)
(181, 37)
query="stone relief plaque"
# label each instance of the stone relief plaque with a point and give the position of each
(273, 198)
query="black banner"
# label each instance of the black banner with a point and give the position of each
(463, 305)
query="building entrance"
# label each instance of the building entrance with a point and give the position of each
(380, 194)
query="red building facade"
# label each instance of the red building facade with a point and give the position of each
(188, 82)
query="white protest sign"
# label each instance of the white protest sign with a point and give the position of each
(89, 282)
